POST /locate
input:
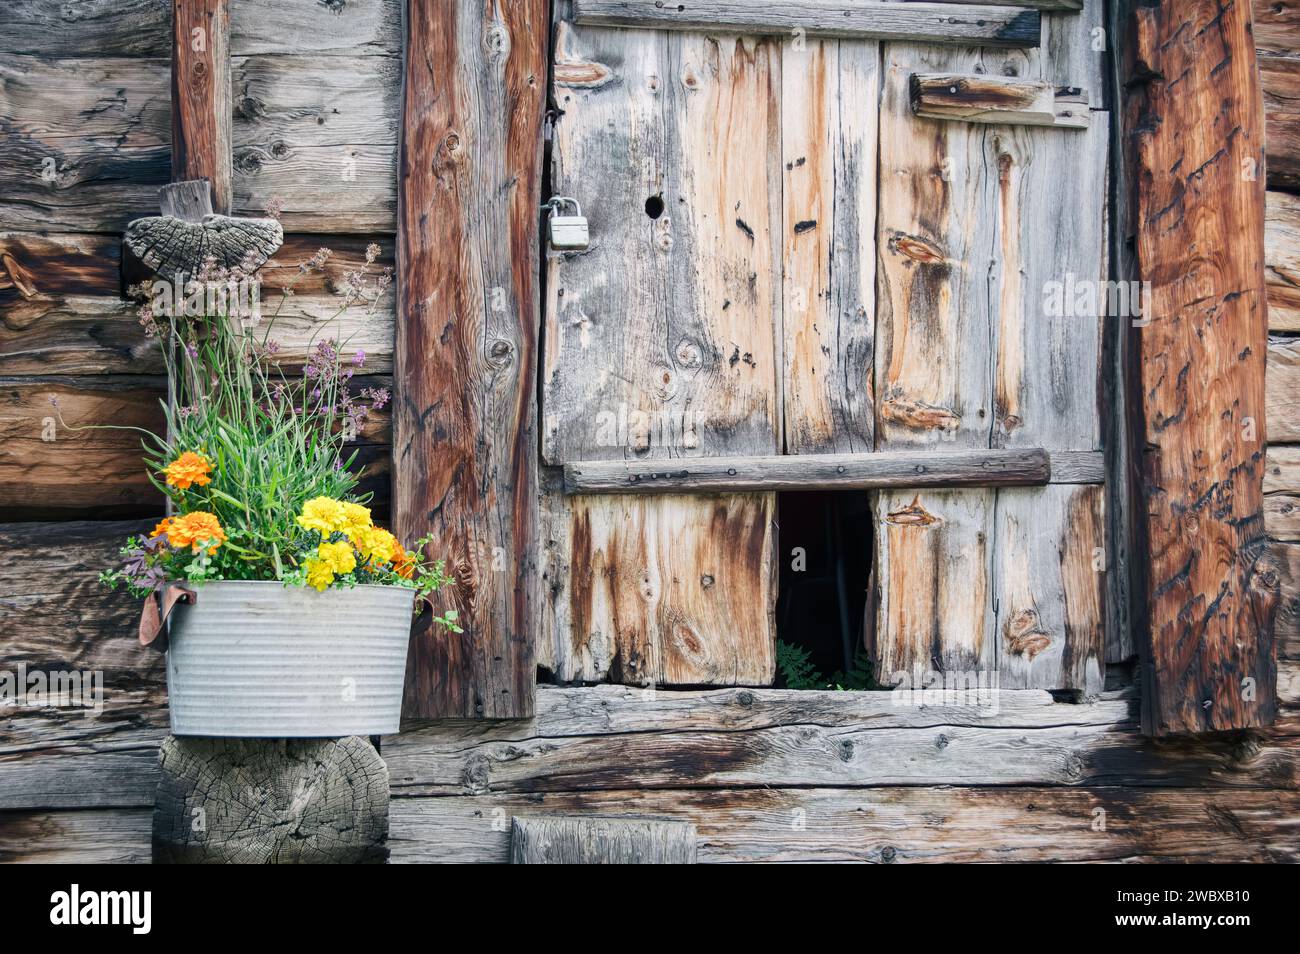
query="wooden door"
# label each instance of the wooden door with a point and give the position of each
(786, 259)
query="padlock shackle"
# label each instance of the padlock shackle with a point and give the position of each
(557, 202)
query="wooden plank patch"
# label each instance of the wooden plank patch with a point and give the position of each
(552, 840)
(665, 591)
(994, 99)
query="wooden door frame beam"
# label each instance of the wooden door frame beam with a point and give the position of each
(1203, 599)
(464, 421)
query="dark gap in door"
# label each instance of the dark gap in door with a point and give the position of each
(824, 542)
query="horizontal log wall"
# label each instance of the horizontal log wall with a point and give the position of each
(1277, 38)
(315, 97)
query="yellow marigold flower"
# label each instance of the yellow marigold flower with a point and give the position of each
(355, 520)
(188, 469)
(319, 575)
(337, 556)
(195, 530)
(377, 545)
(323, 514)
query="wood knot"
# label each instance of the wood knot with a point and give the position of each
(1024, 636)
(913, 515)
(917, 249)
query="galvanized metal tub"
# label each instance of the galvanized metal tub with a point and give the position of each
(257, 659)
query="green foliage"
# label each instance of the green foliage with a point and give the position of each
(798, 672)
(859, 677)
(796, 668)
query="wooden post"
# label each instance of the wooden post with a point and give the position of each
(1204, 602)
(201, 96)
(466, 352)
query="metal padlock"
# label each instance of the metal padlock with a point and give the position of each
(568, 232)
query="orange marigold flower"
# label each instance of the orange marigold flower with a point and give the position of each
(163, 526)
(195, 530)
(190, 468)
(403, 561)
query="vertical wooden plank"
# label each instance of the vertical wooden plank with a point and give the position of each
(828, 160)
(660, 338)
(464, 418)
(1048, 571)
(1208, 603)
(661, 342)
(201, 97)
(934, 579)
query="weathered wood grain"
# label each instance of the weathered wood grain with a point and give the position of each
(1071, 5)
(345, 188)
(660, 339)
(270, 801)
(584, 739)
(51, 472)
(1282, 260)
(993, 99)
(1282, 390)
(973, 351)
(828, 255)
(57, 28)
(97, 836)
(351, 28)
(1048, 579)
(670, 591)
(467, 335)
(552, 840)
(932, 571)
(84, 142)
(321, 138)
(812, 472)
(57, 618)
(921, 22)
(661, 343)
(966, 348)
(885, 825)
(1207, 608)
(200, 107)
(1284, 562)
(73, 322)
(1277, 37)
(309, 101)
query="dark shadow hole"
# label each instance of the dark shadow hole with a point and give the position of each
(825, 544)
(654, 206)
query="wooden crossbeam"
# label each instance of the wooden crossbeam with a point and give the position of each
(976, 468)
(983, 98)
(982, 25)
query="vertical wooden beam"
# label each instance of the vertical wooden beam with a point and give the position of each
(465, 415)
(201, 97)
(1194, 132)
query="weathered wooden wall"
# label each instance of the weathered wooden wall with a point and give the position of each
(1039, 781)
(85, 129)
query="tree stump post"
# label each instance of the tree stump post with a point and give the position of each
(270, 801)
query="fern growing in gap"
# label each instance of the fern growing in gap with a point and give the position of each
(797, 669)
